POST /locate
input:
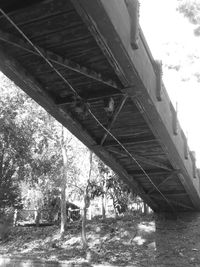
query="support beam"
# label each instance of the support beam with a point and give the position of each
(81, 7)
(152, 172)
(158, 71)
(116, 114)
(163, 182)
(133, 10)
(193, 158)
(140, 159)
(168, 195)
(181, 204)
(186, 148)
(175, 124)
(57, 59)
(131, 141)
(88, 96)
(41, 9)
(177, 203)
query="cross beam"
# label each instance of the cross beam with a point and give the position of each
(57, 59)
(141, 159)
(163, 182)
(88, 96)
(131, 141)
(174, 202)
(118, 110)
(153, 172)
(171, 194)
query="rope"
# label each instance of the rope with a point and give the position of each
(87, 105)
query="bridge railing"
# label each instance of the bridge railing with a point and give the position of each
(142, 76)
(161, 97)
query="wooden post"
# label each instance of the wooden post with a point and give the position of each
(174, 119)
(186, 148)
(158, 71)
(133, 10)
(198, 175)
(193, 158)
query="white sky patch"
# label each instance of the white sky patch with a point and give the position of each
(171, 39)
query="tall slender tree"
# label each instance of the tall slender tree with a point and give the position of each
(65, 143)
(86, 202)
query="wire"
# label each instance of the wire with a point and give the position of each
(56, 61)
(38, 51)
(132, 157)
(87, 105)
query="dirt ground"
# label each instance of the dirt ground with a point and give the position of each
(129, 241)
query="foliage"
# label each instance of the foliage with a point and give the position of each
(29, 148)
(32, 159)
(191, 10)
(14, 146)
(119, 192)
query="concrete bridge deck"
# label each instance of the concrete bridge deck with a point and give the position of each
(81, 61)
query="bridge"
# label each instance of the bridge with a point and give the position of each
(88, 64)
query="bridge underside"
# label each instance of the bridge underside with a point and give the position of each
(92, 68)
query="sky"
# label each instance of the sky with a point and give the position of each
(171, 39)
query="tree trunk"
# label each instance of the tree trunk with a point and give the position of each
(37, 217)
(63, 209)
(145, 209)
(103, 199)
(84, 214)
(63, 185)
(103, 203)
(85, 206)
(114, 206)
(15, 217)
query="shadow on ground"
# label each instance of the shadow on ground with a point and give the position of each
(129, 241)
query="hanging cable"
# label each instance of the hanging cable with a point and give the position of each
(132, 157)
(87, 105)
(38, 51)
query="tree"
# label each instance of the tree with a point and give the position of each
(29, 147)
(14, 146)
(191, 10)
(63, 183)
(103, 173)
(65, 147)
(119, 192)
(86, 202)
